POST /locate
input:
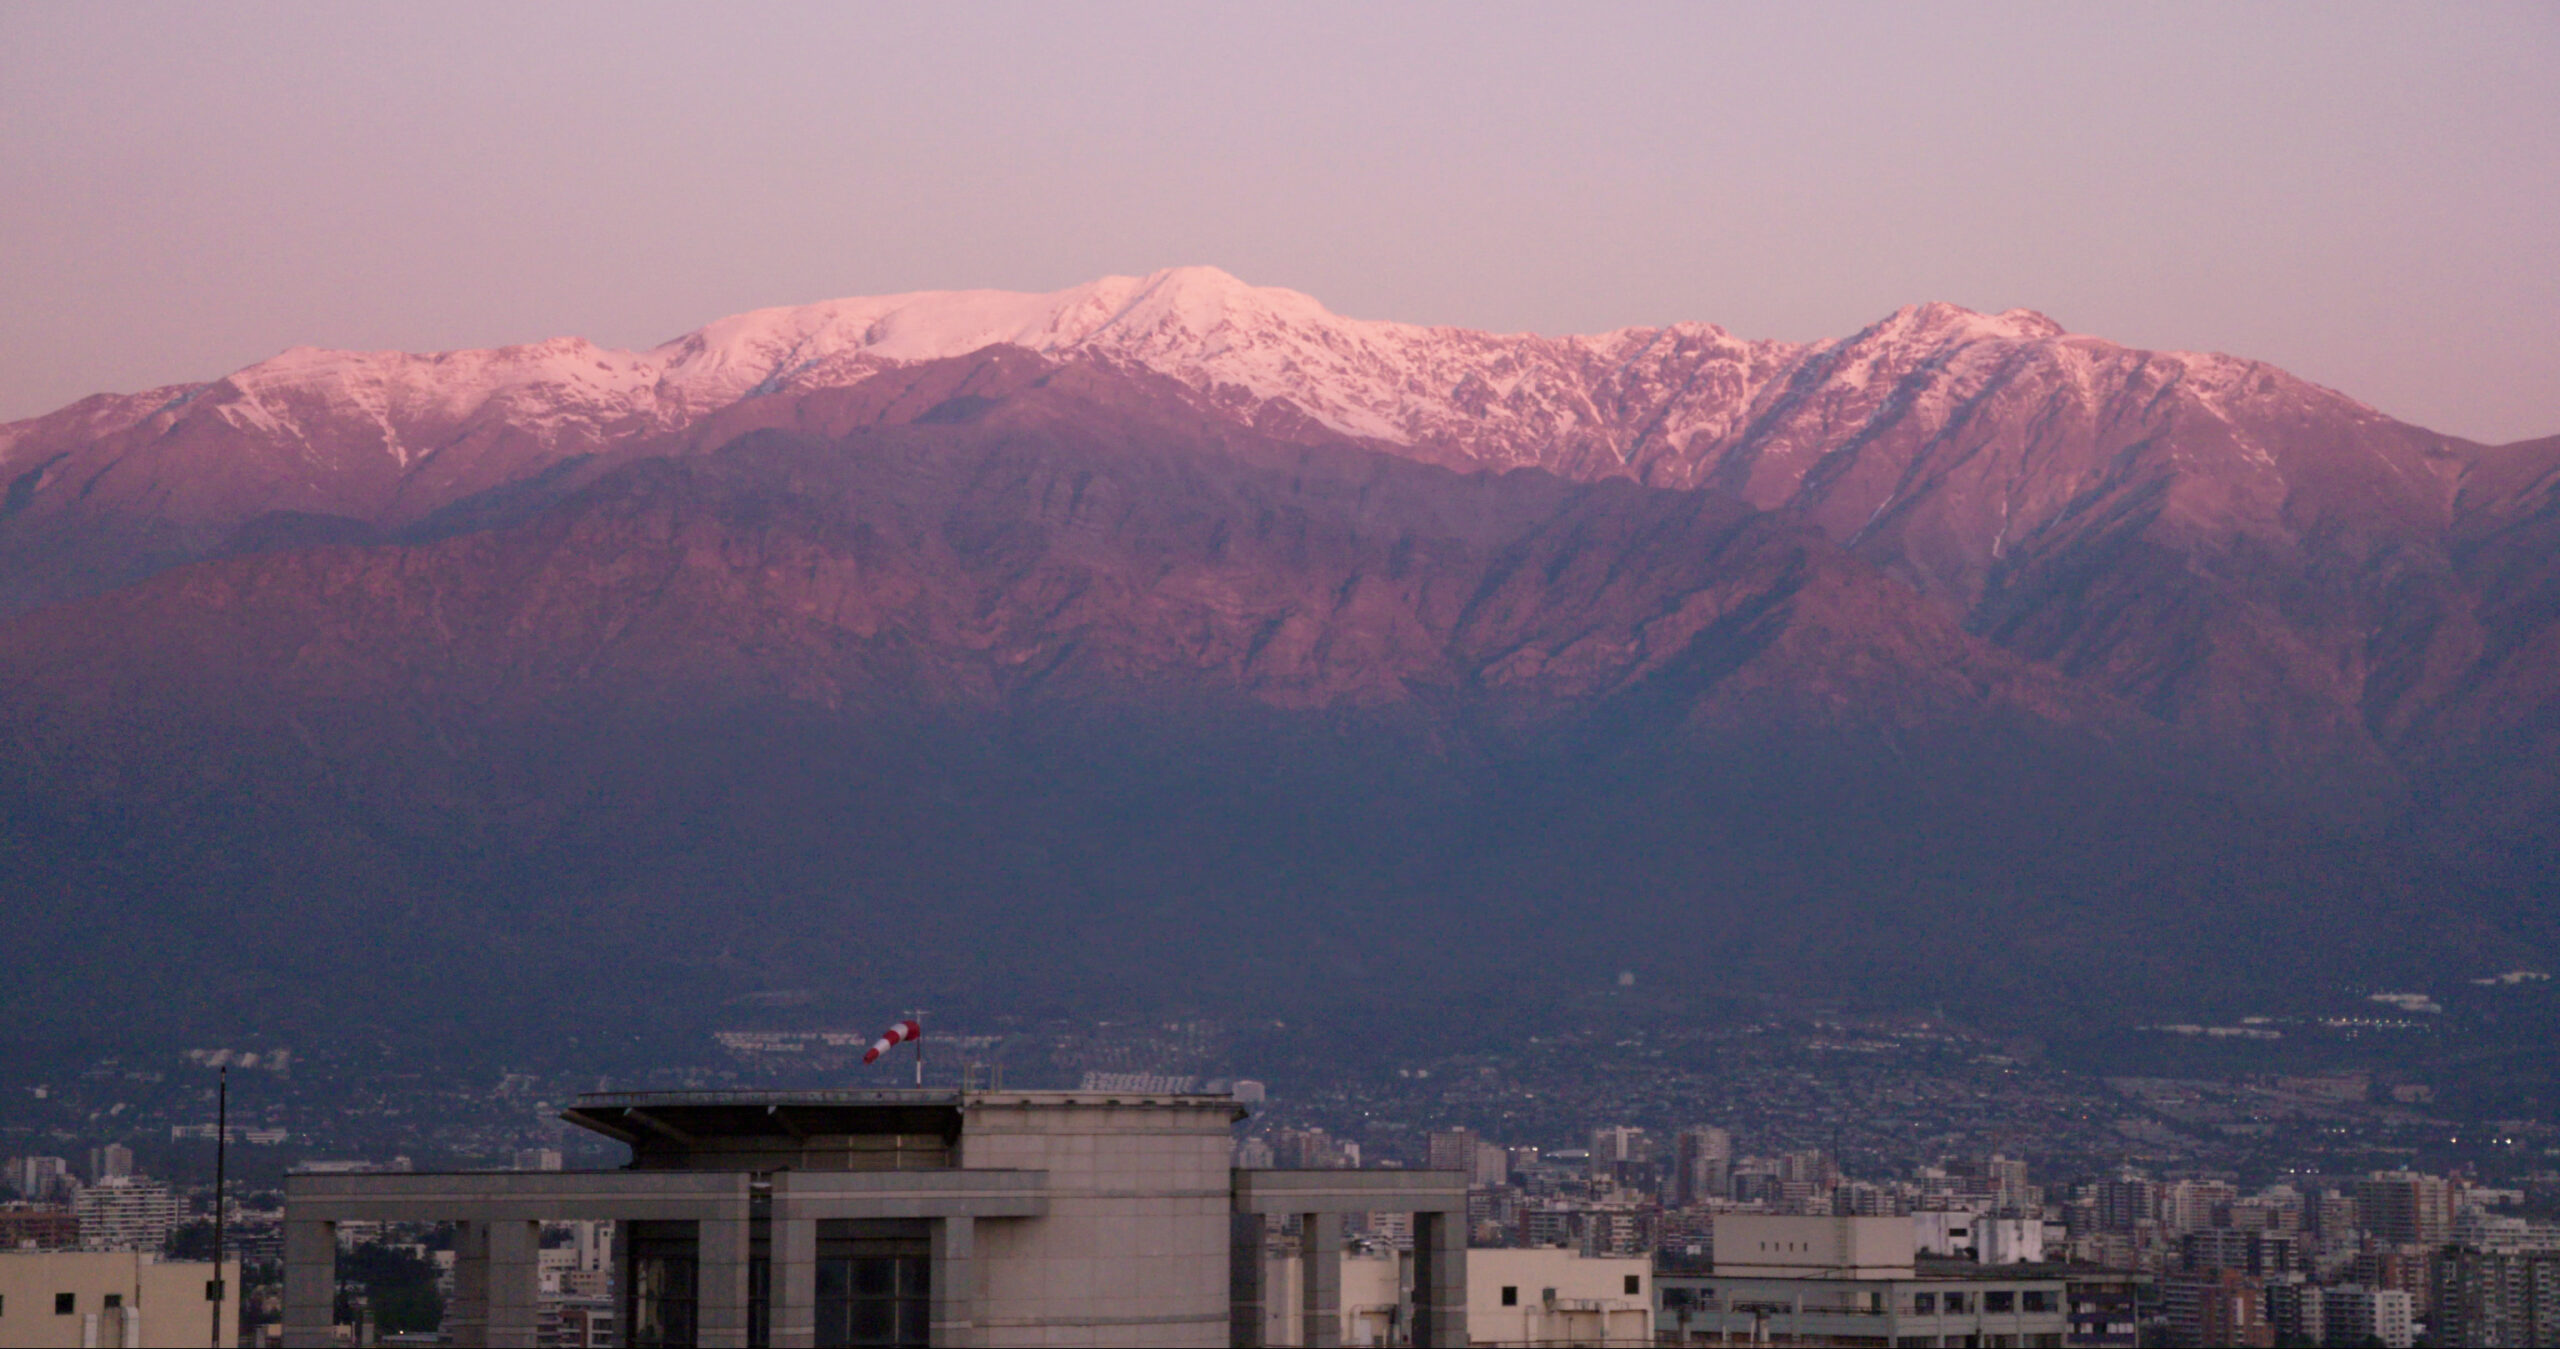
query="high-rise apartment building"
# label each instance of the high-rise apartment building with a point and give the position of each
(2125, 1202)
(1620, 1153)
(2497, 1299)
(126, 1213)
(1702, 1159)
(1462, 1150)
(2294, 1308)
(2188, 1205)
(41, 1180)
(2359, 1315)
(2406, 1208)
(2261, 1255)
(1450, 1149)
(2222, 1307)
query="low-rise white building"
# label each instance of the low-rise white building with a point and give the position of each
(1524, 1296)
(112, 1300)
(1831, 1280)
(1958, 1235)
(1538, 1297)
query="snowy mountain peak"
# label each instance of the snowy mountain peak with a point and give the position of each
(1939, 322)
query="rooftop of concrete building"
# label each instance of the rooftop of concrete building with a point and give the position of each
(895, 1128)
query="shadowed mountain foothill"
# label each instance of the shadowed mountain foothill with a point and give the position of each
(1180, 641)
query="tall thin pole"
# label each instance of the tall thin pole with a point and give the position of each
(221, 1160)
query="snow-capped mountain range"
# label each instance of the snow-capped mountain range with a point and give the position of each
(1963, 645)
(1639, 399)
(2288, 558)
(1867, 433)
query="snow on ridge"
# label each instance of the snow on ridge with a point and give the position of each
(1518, 396)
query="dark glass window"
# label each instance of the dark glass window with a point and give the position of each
(65, 1303)
(2036, 1300)
(659, 1304)
(1635, 1285)
(2002, 1301)
(1511, 1295)
(875, 1284)
(1924, 1304)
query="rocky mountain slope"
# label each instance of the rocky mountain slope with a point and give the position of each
(2226, 546)
(1174, 606)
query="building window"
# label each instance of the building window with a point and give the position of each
(875, 1283)
(64, 1304)
(114, 1300)
(2000, 1303)
(1924, 1304)
(1956, 1303)
(659, 1304)
(2036, 1300)
(1635, 1285)
(1511, 1295)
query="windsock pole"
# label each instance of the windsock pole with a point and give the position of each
(909, 1029)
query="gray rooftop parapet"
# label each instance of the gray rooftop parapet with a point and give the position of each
(1263, 1191)
(493, 1196)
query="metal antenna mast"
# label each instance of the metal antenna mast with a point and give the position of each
(215, 1289)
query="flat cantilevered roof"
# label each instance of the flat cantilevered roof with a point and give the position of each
(688, 1117)
(685, 1116)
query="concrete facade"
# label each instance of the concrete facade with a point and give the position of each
(950, 1218)
(1931, 1311)
(1796, 1247)
(1434, 1287)
(1374, 1291)
(1833, 1280)
(1560, 1297)
(65, 1299)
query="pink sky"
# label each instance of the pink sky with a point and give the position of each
(2369, 196)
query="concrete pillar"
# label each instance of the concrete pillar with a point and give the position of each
(1320, 1279)
(720, 1305)
(794, 1253)
(310, 1283)
(1245, 1281)
(514, 1288)
(954, 1281)
(466, 1318)
(624, 1304)
(1439, 1280)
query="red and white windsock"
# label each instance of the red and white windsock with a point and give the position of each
(896, 1035)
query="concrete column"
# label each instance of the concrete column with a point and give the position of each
(466, 1318)
(795, 1276)
(1439, 1280)
(1320, 1279)
(514, 1288)
(624, 1303)
(955, 1281)
(310, 1283)
(1245, 1281)
(721, 1295)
